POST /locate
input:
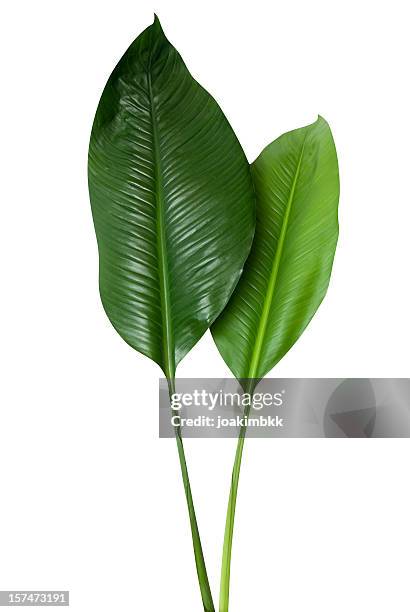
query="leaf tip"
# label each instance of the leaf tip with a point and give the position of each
(321, 121)
(156, 23)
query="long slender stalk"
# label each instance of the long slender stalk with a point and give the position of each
(230, 515)
(196, 540)
(230, 520)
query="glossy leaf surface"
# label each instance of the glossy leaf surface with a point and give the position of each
(172, 201)
(287, 273)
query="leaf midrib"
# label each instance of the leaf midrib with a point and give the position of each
(167, 330)
(263, 322)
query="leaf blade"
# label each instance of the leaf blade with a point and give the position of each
(288, 270)
(172, 201)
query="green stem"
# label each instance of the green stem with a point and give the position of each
(230, 515)
(196, 540)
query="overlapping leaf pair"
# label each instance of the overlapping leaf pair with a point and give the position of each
(180, 246)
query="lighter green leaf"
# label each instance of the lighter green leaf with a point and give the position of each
(287, 273)
(172, 202)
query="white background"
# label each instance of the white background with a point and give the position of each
(91, 500)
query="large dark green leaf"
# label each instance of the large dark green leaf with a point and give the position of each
(172, 202)
(287, 274)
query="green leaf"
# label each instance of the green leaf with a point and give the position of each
(288, 270)
(173, 207)
(172, 202)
